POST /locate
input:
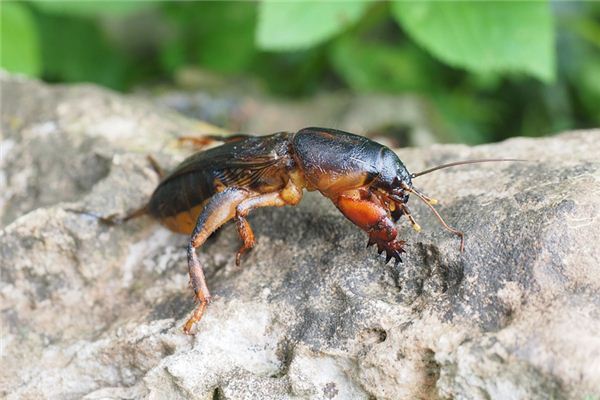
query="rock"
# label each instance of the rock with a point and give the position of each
(92, 310)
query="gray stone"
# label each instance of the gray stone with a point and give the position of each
(91, 310)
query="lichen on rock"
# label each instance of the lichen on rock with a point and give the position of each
(91, 310)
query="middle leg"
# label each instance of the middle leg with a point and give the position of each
(290, 195)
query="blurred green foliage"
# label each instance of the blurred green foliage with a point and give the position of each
(20, 50)
(491, 70)
(484, 36)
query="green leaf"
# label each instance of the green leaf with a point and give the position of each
(20, 50)
(464, 117)
(497, 36)
(224, 38)
(75, 50)
(374, 66)
(286, 26)
(298, 73)
(588, 87)
(91, 8)
(216, 35)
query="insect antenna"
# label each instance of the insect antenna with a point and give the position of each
(429, 201)
(454, 164)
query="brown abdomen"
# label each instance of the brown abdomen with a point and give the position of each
(177, 202)
(184, 222)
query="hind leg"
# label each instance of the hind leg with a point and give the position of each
(220, 209)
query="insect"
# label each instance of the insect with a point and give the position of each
(365, 180)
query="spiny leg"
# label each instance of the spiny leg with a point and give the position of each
(247, 235)
(374, 219)
(290, 195)
(244, 228)
(220, 209)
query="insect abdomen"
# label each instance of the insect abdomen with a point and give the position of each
(257, 164)
(177, 202)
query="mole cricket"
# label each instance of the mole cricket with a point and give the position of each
(365, 180)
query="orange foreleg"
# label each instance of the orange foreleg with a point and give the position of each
(374, 219)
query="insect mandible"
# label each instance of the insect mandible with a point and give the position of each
(365, 180)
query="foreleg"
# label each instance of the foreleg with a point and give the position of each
(373, 219)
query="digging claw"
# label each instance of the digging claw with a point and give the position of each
(392, 249)
(395, 254)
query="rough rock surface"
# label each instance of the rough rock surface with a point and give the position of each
(95, 311)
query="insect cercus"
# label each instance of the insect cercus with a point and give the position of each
(365, 180)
